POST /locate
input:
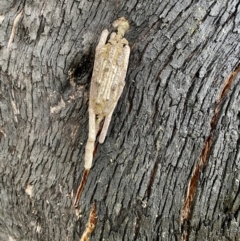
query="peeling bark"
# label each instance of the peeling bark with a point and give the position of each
(169, 168)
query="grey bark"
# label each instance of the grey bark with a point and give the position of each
(182, 52)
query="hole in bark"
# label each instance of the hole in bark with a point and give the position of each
(238, 115)
(84, 69)
(197, 75)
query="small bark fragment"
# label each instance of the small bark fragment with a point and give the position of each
(91, 223)
(16, 20)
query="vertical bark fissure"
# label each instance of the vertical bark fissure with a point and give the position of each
(151, 179)
(204, 158)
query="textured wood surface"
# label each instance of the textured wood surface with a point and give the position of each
(182, 55)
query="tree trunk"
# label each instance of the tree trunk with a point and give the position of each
(169, 168)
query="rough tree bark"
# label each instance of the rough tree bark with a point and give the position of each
(170, 166)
